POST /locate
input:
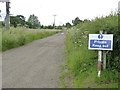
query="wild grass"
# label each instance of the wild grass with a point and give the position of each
(16, 37)
(81, 63)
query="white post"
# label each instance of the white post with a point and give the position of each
(99, 60)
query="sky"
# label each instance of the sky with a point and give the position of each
(65, 10)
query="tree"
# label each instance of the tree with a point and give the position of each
(50, 27)
(17, 20)
(0, 13)
(21, 20)
(86, 20)
(76, 21)
(13, 21)
(2, 24)
(68, 25)
(33, 22)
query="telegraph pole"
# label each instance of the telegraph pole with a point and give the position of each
(7, 16)
(7, 19)
(54, 20)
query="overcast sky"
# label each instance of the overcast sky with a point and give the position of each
(66, 10)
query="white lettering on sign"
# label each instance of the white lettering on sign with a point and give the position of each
(101, 41)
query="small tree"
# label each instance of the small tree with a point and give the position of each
(33, 22)
(17, 20)
(76, 21)
(0, 13)
(13, 21)
(21, 20)
(68, 25)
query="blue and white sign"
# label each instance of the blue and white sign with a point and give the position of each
(101, 41)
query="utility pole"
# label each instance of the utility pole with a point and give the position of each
(54, 20)
(7, 16)
(7, 19)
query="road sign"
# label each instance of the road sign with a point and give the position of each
(4, 0)
(101, 41)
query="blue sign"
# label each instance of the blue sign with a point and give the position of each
(100, 44)
(101, 41)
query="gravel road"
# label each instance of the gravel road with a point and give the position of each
(0, 71)
(35, 65)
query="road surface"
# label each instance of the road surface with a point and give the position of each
(36, 65)
(0, 71)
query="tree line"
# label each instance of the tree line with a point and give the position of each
(34, 23)
(19, 20)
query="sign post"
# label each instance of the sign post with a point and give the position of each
(104, 58)
(100, 42)
(99, 62)
(99, 56)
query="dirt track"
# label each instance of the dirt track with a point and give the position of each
(36, 65)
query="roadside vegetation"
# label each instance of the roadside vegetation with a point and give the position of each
(16, 37)
(80, 69)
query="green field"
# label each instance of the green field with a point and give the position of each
(81, 64)
(16, 37)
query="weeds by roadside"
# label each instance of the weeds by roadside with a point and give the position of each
(82, 63)
(21, 36)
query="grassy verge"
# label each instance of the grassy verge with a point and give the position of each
(21, 36)
(81, 63)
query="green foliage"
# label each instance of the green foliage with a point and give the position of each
(82, 63)
(76, 21)
(107, 77)
(50, 27)
(2, 24)
(21, 20)
(33, 22)
(68, 25)
(13, 21)
(0, 13)
(17, 20)
(21, 36)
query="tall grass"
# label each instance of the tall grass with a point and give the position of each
(21, 36)
(81, 62)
